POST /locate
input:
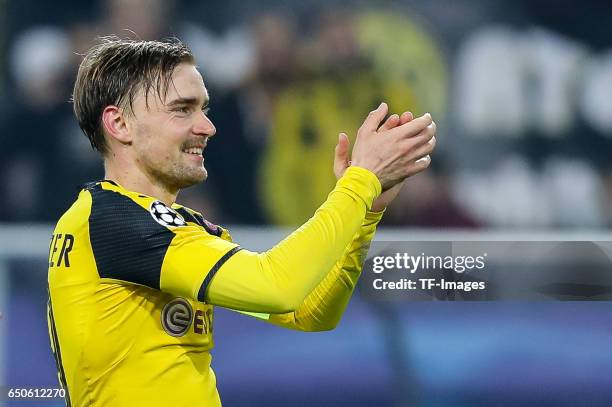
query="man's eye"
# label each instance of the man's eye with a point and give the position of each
(205, 110)
(184, 109)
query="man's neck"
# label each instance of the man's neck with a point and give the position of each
(136, 181)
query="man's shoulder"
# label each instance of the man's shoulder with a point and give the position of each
(112, 204)
(108, 193)
(109, 212)
(107, 206)
(78, 213)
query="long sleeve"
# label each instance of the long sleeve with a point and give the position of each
(325, 305)
(279, 279)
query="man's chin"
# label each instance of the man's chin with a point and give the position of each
(192, 179)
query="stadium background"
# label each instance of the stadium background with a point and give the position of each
(520, 90)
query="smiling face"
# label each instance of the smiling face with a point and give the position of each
(168, 137)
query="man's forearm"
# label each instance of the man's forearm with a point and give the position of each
(325, 305)
(279, 280)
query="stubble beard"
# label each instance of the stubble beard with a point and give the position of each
(180, 176)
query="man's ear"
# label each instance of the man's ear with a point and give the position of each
(115, 124)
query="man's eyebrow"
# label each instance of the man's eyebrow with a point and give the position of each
(187, 101)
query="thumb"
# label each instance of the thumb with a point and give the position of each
(341, 156)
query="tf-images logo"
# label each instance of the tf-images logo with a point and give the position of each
(176, 317)
(164, 215)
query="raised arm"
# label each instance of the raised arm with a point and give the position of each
(324, 307)
(279, 280)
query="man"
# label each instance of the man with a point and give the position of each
(134, 276)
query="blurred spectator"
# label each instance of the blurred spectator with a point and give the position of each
(415, 60)
(242, 108)
(31, 166)
(335, 91)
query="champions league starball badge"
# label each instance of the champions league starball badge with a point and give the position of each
(166, 216)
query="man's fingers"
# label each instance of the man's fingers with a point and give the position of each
(374, 118)
(406, 117)
(422, 150)
(391, 122)
(423, 137)
(418, 147)
(413, 127)
(395, 120)
(341, 155)
(418, 165)
(423, 160)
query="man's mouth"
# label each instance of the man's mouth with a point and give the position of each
(194, 150)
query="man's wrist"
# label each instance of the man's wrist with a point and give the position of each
(363, 182)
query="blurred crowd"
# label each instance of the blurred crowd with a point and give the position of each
(520, 93)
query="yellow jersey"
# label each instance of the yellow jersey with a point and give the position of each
(133, 281)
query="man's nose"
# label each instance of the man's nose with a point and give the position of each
(203, 126)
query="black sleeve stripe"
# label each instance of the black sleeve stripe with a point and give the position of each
(57, 354)
(213, 271)
(127, 243)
